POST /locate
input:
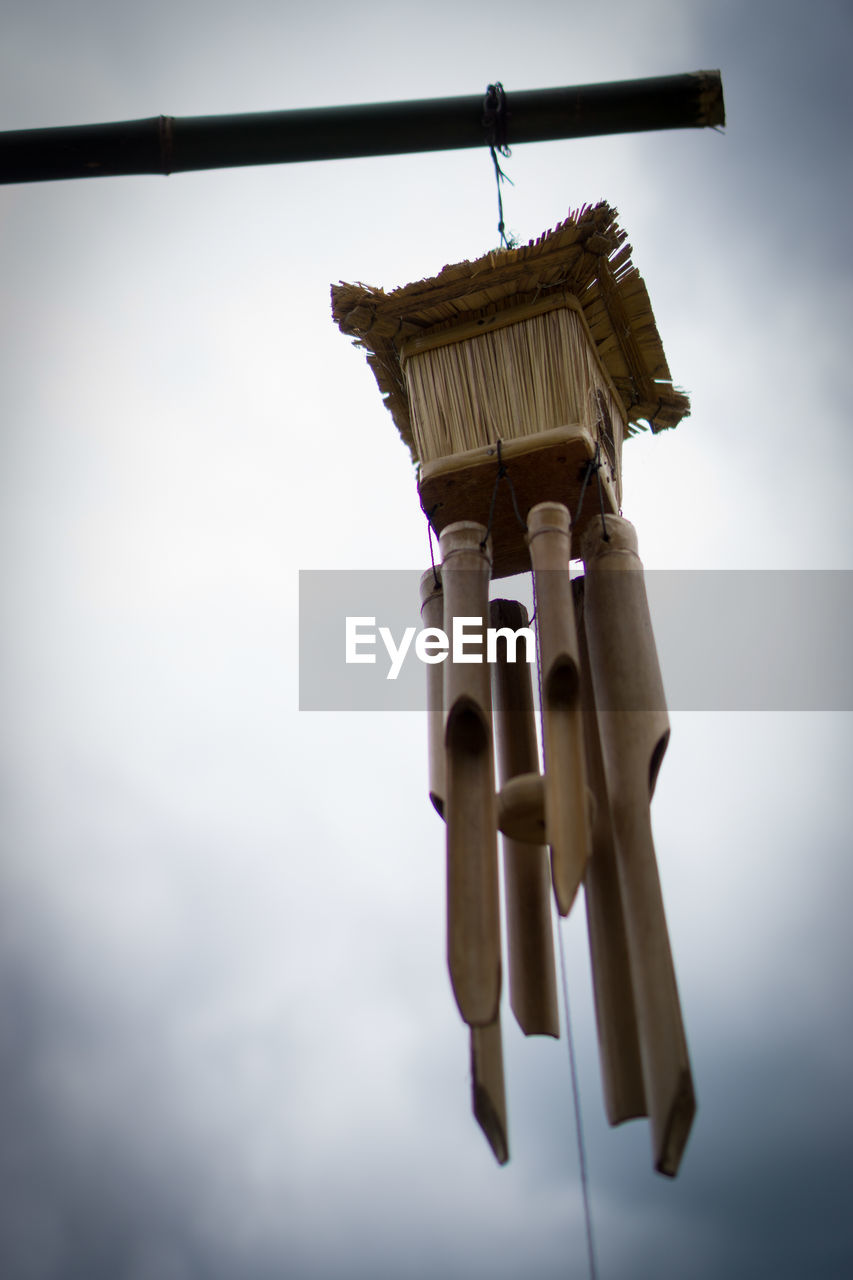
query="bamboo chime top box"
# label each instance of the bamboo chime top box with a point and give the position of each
(547, 354)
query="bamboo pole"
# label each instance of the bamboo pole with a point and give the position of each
(163, 144)
(566, 803)
(530, 943)
(470, 811)
(615, 1013)
(432, 615)
(634, 730)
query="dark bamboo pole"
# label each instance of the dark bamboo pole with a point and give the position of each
(634, 730)
(527, 876)
(613, 989)
(566, 806)
(470, 810)
(163, 144)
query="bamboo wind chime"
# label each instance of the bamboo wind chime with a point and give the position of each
(514, 381)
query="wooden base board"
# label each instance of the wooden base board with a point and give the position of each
(549, 466)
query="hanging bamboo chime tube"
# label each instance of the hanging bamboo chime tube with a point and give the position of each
(634, 729)
(488, 1093)
(566, 802)
(470, 811)
(432, 616)
(613, 992)
(527, 879)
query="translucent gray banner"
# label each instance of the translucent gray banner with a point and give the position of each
(727, 641)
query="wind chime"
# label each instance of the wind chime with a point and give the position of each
(514, 381)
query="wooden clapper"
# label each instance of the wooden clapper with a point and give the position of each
(514, 381)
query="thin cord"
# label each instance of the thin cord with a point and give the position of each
(507, 242)
(495, 117)
(593, 1270)
(429, 515)
(587, 1213)
(604, 534)
(588, 470)
(502, 474)
(593, 466)
(432, 556)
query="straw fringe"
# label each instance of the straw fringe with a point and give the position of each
(514, 382)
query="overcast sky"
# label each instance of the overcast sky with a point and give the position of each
(228, 1042)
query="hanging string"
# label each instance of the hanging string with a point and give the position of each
(593, 467)
(429, 515)
(587, 472)
(435, 577)
(507, 242)
(604, 534)
(495, 125)
(573, 1070)
(502, 474)
(584, 1176)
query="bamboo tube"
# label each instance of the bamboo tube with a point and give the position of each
(566, 806)
(615, 1015)
(470, 811)
(488, 1094)
(432, 614)
(532, 976)
(634, 730)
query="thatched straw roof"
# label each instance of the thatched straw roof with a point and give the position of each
(585, 257)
